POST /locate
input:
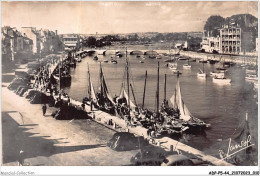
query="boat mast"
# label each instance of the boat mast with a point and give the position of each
(157, 92)
(203, 64)
(127, 78)
(144, 88)
(60, 71)
(165, 87)
(101, 80)
(89, 84)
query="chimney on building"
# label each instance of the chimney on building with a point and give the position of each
(56, 32)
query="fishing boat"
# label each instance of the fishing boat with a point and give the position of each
(172, 66)
(220, 66)
(202, 61)
(78, 59)
(105, 101)
(125, 108)
(256, 85)
(152, 55)
(91, 93)
(158, 57)
(113, 61)
(250, 71)
(170, 60)
(187, 66)
(192, 60)
(252, 77)
(61, 74)
(119, 55)
(95, 58)
(201, 73)
(217, 74)
(179, 106)
(65, 79)
(211, 61)
(221, 80)
(141, 62)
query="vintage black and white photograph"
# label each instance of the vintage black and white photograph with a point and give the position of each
(120, 83)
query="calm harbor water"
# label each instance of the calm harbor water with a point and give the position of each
(222, 106)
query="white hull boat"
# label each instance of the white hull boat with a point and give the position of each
(201, 75)
(251, 77)
(219, 75)
(186, 66)
(221, 80)
(172, 66)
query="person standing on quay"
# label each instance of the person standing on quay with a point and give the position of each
(21, 158)
(44, 108)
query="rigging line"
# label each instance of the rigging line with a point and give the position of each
(123, 81)
(99, 81)
(133, 85)
(107, 86)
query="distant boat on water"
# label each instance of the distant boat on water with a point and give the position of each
(221, 80)
(95, 58)
(201, 74)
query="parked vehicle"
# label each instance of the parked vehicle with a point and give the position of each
(124, 141)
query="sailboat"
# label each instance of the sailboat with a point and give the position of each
(192, 122)
(221, 79)
(152, 56)
(105, 101)
(187, 66)
(201, 73)
(126, 108)
(95, 58)
(126, 95)
(221, 67)
(173, 65)
(91, 92)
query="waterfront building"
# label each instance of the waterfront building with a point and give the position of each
(70, 41)
(44, 40)
(210, 44)
(230, 40)
(237, 34)
(31, 33)
(14, 44)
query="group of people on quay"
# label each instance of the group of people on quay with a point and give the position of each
(152, 120)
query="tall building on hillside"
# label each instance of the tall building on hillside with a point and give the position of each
(237, 35)
(230, 40)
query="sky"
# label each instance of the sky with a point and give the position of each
(86, 17)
